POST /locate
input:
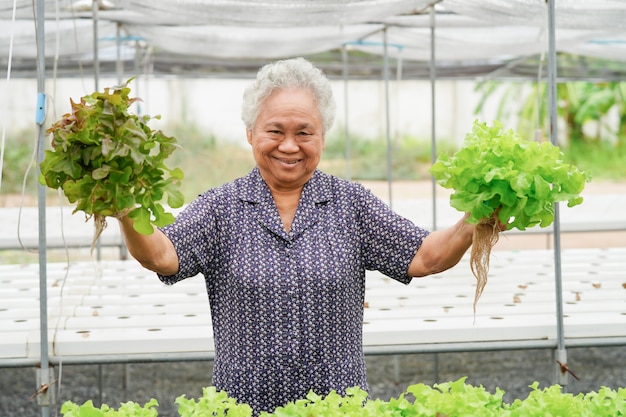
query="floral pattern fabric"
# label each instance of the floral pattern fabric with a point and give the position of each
(287, 307)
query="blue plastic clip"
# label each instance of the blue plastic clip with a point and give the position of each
(40, 113)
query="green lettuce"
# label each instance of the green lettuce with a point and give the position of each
(497, 169)
(108, 161)
(455, 398)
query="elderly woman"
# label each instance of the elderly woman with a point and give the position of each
(284, 250)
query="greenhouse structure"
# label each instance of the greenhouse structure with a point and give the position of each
(55, 313)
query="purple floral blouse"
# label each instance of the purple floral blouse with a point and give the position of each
(287, 307)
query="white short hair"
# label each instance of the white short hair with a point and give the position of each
(289, 73)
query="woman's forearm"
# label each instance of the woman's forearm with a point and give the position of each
(154, 252)
(442, 249)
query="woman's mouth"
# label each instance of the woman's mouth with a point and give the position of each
(289, 161)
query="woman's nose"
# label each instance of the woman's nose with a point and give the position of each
(289, 144)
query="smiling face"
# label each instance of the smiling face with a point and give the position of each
(287, 139)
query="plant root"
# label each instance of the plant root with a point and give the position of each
(486, 235)
(100, 223)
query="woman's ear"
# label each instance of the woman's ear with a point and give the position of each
(249, 136)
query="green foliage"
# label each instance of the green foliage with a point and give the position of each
(602, 159)
(128, 409)
(410, 158)
(212, 403)
(450, 399)
(17, 155)
(354, 403)
(552, 402)
(455, 399)
(496, 169)
(578, 103)
(209, 163)
(109, 162)
(583, 102)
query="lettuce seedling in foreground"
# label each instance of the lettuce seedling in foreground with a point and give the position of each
(499, 177)
(455, 398)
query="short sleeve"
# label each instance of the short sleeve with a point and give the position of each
(193, 235)
(390, 241)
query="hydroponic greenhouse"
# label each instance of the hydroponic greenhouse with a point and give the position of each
(98, 93)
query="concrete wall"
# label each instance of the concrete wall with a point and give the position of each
(214, 105)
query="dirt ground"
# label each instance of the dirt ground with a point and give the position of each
(424, 189)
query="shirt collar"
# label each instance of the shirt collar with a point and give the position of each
(253, 188)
